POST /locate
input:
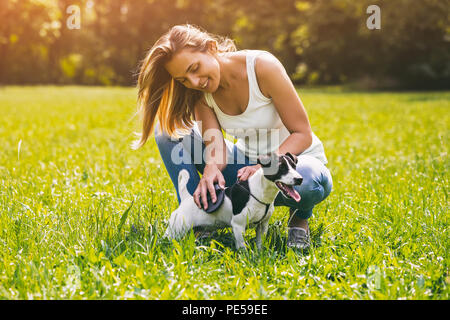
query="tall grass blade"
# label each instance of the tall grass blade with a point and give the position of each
(124, 217)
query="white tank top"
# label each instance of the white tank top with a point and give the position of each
(259, 129)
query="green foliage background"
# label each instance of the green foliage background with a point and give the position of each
(318, 41)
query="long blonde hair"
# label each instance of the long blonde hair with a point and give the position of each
(160, 96)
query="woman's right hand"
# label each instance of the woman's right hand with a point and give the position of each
(211, 174)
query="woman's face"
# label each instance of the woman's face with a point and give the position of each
(195, 69)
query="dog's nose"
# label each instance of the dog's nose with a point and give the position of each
(298, 181)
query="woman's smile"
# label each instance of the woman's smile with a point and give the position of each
(195, 70)
(205, 84)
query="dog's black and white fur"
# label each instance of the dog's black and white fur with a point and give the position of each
(250, 202)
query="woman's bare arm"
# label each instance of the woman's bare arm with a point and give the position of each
(276, 84)
(215, 155)
(216, 152)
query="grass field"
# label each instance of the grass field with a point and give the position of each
(68, 178)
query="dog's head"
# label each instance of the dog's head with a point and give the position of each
(281, 170)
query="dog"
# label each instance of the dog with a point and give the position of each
(245, 203)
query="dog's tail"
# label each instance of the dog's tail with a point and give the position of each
(183, 178)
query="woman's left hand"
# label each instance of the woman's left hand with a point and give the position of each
(246, 172)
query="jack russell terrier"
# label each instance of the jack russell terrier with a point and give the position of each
(245, 203)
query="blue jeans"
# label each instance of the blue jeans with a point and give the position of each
(178, 154)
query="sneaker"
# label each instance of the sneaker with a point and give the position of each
(298, 238)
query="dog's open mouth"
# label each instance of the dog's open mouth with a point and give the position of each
(288, 191)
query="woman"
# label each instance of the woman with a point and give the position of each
(190, 75)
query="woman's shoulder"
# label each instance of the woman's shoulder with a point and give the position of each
(258, 53)
(266, 60)
(266, 65)
(244, 53)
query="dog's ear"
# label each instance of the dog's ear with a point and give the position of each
(264, 160)
(269, 163)
(292, 156)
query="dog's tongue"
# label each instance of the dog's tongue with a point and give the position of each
(293, 193)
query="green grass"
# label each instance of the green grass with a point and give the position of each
(66, 231)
